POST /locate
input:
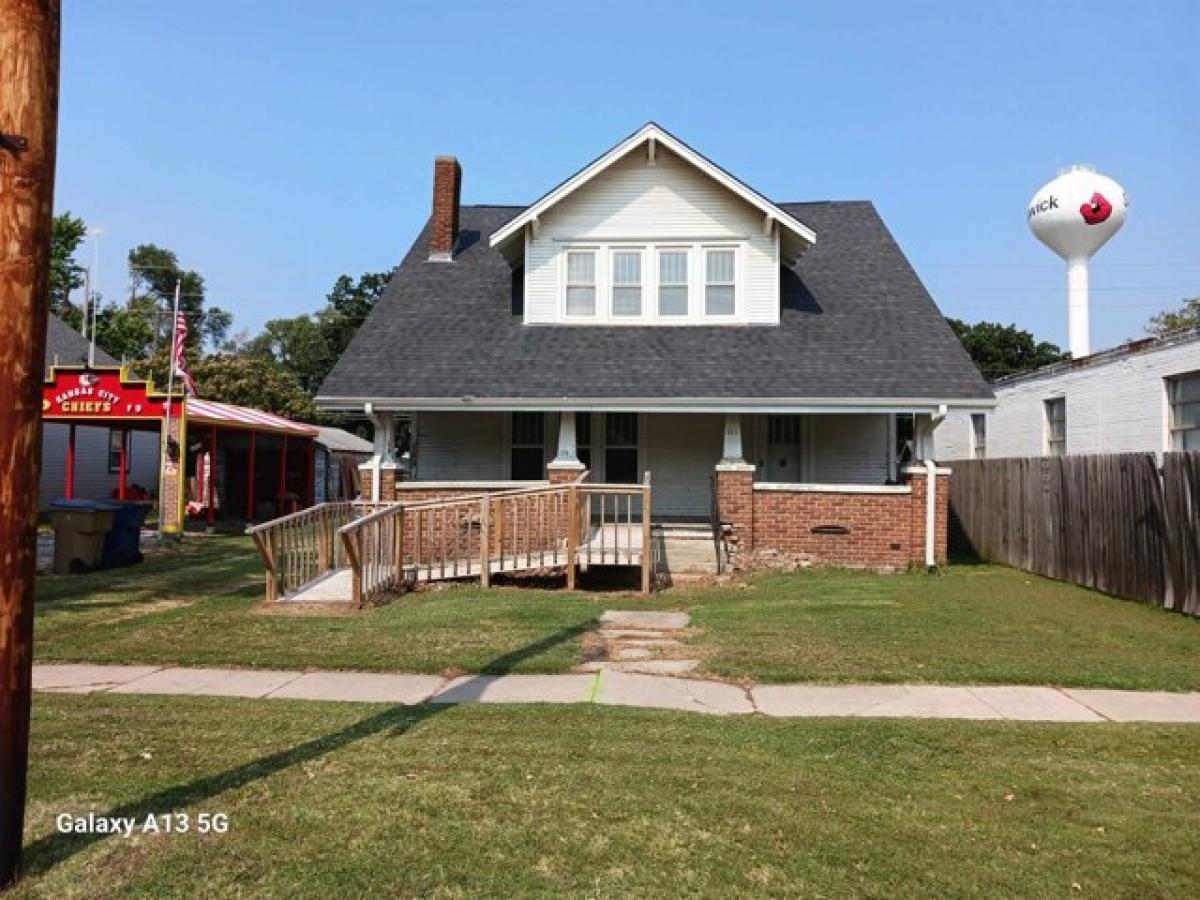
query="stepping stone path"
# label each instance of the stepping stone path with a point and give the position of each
(650, 643)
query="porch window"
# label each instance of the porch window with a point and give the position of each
(1056, 426)
(673, 283)
(627, 283)
(581, 283)
(621, 448)
(114, 450)
(1184, 394)
(528, 455)
(979, 435)
(719, 284)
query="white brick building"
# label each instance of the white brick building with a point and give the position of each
(1142, 396)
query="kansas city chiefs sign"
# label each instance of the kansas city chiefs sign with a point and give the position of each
(99, 394)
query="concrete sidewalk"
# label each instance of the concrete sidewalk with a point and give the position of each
(1034, 704)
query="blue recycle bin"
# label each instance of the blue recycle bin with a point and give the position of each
(122, 543)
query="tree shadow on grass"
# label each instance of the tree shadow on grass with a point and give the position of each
(47, 852)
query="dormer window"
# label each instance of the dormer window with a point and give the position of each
(627, 283)
(720, 286)
(673, 282)
(581, 283)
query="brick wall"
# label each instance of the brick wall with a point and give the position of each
(735, 505)
(871, 530)
(876, 529)
(389, 477)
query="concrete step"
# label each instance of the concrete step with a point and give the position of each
(686, 556)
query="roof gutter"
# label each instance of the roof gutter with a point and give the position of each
(773, 405)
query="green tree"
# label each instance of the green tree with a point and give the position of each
(1000, 350)
(66, 275)
(1187, 316)
(347, 307)
(126, 332)
(153, 274)
(299, 345)
(254, 381)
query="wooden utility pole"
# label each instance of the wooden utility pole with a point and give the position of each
(29, 46)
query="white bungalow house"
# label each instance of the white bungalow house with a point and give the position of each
(653, 313)
(1142, 396)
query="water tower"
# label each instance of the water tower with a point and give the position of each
(1075, 215)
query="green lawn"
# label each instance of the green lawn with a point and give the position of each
(201, 605)
(332, 800)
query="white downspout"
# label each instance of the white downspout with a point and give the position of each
(930, 513)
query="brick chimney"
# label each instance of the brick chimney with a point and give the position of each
(447, 180)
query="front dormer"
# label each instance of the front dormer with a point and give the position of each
(652, 233)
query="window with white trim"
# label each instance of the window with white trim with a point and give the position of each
(979, 435)
(1056, 426)
(581, 283)
(1183, 393)
(719, 282)
(627, 282)
(673, 282)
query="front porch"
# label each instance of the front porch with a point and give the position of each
(835, 487)
(682, 450)
(707, 510)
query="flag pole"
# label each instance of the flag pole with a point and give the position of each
(165, 454)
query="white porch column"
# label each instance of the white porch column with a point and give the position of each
(732, 453)
(567, 458)
(384, 442)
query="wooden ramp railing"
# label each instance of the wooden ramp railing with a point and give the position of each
(390, 546)
(299, 548)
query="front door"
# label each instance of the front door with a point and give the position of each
(782, 463)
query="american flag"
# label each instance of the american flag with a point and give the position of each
(177, 357)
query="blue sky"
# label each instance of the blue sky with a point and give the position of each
(277, 145)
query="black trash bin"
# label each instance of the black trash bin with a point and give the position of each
(122, 543)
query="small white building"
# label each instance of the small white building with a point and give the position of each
(1143, 396)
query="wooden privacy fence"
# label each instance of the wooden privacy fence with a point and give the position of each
(1117, 523)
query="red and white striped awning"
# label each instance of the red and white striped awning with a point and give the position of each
(226, 415)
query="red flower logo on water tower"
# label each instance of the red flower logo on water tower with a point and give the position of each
(1096, 210)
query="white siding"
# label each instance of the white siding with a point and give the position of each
(1113, 406)
(461, 446)
(850, 449)
(681, 452)
(668, 201)
(93, 481)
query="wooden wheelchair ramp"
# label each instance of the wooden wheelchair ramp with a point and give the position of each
(362, 553)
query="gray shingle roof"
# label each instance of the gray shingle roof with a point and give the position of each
(66, 347)
(856, 323)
